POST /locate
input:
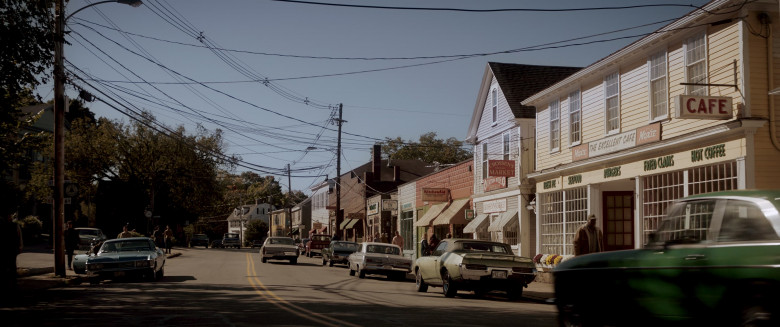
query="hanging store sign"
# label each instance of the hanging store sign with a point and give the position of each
(501, 168)
(406, 206)
(469, 214)
(494, 183)
(389, 205)
(618, 142)
(701, 107)
(438, 194)
(373, 208)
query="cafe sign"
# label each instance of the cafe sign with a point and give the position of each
(702, 107)
(501, 168)
(618, 142)
(438, 194)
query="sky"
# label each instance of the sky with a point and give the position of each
(271, 74)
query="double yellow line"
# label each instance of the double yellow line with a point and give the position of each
(263, 291)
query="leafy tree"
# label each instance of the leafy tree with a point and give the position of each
(256, 230)
(428, 149)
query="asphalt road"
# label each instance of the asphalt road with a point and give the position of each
(228, 287)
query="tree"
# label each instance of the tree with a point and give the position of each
(256, 230)
(428, 149)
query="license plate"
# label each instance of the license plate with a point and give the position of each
(119, 273)
(499, 274)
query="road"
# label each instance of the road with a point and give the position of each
(228, 287)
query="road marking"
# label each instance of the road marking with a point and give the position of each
(263, 291)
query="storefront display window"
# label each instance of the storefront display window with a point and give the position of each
(561, 213)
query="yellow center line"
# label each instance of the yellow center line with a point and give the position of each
(263, 291)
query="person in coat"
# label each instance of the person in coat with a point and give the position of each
(589, 238)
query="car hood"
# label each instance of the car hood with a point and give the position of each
(119, 256)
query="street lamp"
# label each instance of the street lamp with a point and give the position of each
(59, 128)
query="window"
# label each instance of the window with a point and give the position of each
(484, 160)
(506, 145)
(407, 226)
(575, 119)
(494, 96)
(744, 221)
(696, 65)
(611, 94)
(555, 126)
(658, 87)
(561, 214)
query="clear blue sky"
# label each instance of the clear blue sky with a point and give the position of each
(266, 124)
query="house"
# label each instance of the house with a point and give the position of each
(243, 215)
(320, 196)
(502, 132)
(682, 111)
(301, 218)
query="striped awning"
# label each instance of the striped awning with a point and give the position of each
(430, 215)
(344, 224)
(503, 220)
(475, 223)
(454, 214)
(352, 223)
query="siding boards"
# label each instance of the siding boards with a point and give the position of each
(634, 97)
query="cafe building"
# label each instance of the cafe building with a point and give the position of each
(683, 111)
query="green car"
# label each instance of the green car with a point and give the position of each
(474, 265)
(714, 260)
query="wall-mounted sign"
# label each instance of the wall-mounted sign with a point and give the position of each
(702, 107)
(550, 184)
(612, 172)
(501, 168)
(373, 208)
(661, 162)
(439, 194)
(575, 179)
(494, 183)
(469, 214)
(494, 206)
(406, 206)
(710, 152)
(618, 142)
(389, 205)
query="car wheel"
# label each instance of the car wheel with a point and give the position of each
(515, 292)
(330, 263)
(419, 284)
(294, 261)
(448, 286)
(351, 271)
(361, 273)
(161, 273)
(569, 316)
(263, 260)
(323, 261)
(756, 311)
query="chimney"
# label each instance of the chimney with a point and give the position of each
(377, 162)
(396, 174)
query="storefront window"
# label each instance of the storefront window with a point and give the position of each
(561, 214)
(407, 225)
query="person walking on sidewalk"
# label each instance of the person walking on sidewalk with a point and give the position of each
(168, 239)
(71, 242)
(398, 240)
(588, 238)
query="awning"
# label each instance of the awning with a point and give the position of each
(294, 231)
(503, 220)
(352, 223)
(454, 214)
(345, 223)
(430, 215)
(472, 226)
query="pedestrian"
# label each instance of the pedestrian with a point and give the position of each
(385, 238)
(71, 236)
(335, 237)
(398, 240)
(434, 242)
(376, 238)
(157, 235)
(588, 238)
(424, 246)
(12, 244)
(168, 234)
(125, 233)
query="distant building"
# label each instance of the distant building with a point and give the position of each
(243, 215)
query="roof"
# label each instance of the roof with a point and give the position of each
(517, 82)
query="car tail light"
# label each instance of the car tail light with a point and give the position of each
(472, 266)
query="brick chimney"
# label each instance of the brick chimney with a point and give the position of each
(376, 161)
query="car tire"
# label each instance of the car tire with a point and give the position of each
(323, 261)
(361, 273)
(448, 286)
(94, 281)
(263, 260)
(351, 271)
(419, 284)
(515, 292)
(755, 309)
(294, 261)
(569, 316)
(161, 274)
(330, 263)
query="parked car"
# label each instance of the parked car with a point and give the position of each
(712, 261)
(88, 236)
(474, 265)
(279, 248)
(216, 244)
(126, 257)
(231, 240)
(199, 240)
(379, 258)
(316, 243)
(257, 243)
(338, 252)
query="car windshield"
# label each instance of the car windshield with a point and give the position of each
(344, 246)
(199, 237)
(475, 247)
(383, 249)
(686, 222)
(285, 241)
(122, 246)
(88, 232)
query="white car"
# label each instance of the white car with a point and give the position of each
(279, 248)
(380, 259)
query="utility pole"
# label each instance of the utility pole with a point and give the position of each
(58, 208)
(289, 198)
(339, 218)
